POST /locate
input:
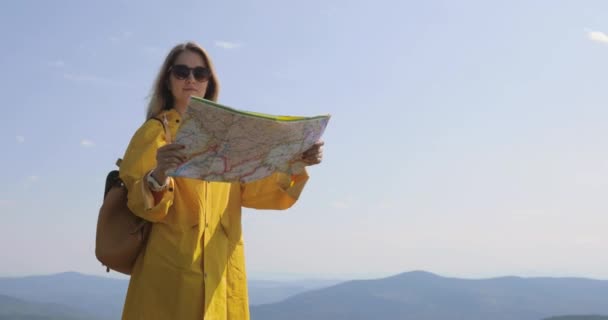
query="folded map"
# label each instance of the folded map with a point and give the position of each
(225, 144)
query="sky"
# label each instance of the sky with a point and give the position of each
(467, 138)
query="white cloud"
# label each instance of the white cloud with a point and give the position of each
(83, 77)
(150, 50)
(30, 181)
(121, 37)
(587, 240)
(57, 64)
(20, 139)
(340, 204)
(597, 36)
(87, 143)
(282, 75)
(7, 203)
(529, 213)
(86, 78)
(227, 44)
(387, 205)
(329, 11)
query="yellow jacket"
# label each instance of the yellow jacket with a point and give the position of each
(193, 263)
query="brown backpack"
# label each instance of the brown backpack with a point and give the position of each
(121, 235)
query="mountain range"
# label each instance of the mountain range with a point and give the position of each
(414, 295)
(73, 295)
(426, 296)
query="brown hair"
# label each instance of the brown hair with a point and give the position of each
(161, 98)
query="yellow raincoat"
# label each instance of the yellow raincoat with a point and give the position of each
(194, 263)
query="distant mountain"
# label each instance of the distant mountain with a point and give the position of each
(265, 292)
(104, 297)
(16, 309)
(413, 295)
(100, 296)
(425, 296)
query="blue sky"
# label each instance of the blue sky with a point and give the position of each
(467, 138)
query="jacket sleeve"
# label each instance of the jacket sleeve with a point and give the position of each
(138, 161)
(278, 191)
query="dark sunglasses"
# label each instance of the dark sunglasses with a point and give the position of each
(182, 72)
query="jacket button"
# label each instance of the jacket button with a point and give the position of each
(177, 120)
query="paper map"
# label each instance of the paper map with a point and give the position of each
(225, 144)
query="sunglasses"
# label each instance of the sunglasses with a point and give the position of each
(182, 72)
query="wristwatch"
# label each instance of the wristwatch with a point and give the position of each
(155, 185)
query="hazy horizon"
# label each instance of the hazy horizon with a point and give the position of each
(303, 277)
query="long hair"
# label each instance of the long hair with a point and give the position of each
(161, 97)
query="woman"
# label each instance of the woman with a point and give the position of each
(193, 264)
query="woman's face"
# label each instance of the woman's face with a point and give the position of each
(189, 77)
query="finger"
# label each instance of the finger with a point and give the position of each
(169, 166)
(171, 153)
(172, 146)
(317, 145)
(311, 150)
(312, 159)
(177, 157)
(314, 155)
(167, 155)
(171, 160)
(316, 152)
(316, 148)
(312, 162)
(306, 156)
(318, 156)
(175, 153)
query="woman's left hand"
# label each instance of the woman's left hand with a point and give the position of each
(314, 154)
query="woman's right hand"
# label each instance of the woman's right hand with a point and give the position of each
(169, 156)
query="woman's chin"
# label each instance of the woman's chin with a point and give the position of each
(189, 93)
(184, 99)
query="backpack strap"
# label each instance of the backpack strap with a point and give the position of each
(165, 124)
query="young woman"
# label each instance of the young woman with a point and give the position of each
(193, 264)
